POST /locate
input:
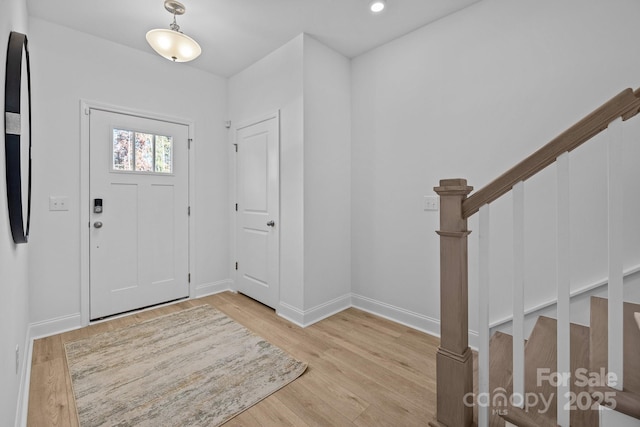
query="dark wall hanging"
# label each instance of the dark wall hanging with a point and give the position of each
(12, 131)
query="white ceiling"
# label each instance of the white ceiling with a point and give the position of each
(236, 33)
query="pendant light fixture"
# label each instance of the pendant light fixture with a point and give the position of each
(172, 43)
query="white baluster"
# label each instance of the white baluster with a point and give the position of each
(518, 294)
(483, 312)
(563, 286)
(616, 290)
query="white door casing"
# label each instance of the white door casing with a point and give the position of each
(139, 243)
(257, 218)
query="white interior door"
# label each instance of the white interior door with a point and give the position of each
(138, 242)
(258, 187)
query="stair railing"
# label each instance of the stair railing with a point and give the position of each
(454, 357)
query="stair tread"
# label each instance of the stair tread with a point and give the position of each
(588, 351)
(541, 352)
(626, 402)
(521, 418)
(599, 339)
(500, 366)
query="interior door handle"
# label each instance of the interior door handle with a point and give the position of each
(97, 224)
(271, 224)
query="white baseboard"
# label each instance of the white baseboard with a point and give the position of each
(69, 322)
(291, 313)
(584, 290)
(25, 380)
(207, 289)
(37, 330)
(405, 317)
(304, 318)
(54, 326)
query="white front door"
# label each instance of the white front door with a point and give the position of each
(138, 185)
(258, 188)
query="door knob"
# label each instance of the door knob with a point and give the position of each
(271, 224)
(97, 224)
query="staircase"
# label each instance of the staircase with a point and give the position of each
(588, 367)
(626, 401)
(519, 380)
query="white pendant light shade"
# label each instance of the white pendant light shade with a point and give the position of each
(173, 45)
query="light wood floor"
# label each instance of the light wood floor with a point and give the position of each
(363, 370)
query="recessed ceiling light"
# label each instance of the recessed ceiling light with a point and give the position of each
(377, 6)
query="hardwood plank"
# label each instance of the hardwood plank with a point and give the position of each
(48, 396)
(245, 419)
(391, 400)
(272, 412)
(73, 410)
(343, 400)
(47, 349)
(370, 321)
(363, 370)
(385, 354)
(386, 380)
(378, 416)
(418, 341)
(306, 404)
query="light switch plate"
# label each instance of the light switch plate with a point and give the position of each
(58, 203)
(431, 203)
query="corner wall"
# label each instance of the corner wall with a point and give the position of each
(14, 283)
(271, 84)
(327, 179)
(310, 85)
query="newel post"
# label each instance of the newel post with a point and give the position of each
(454, 358)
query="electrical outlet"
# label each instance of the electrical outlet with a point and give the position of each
(58, 203)
(431, 203)
(17, 359)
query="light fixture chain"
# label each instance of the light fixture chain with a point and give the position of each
(174, 25)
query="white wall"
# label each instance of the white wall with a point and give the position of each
(68, 66)
(327, 175)
(271, 84)
(14, 309)
(310, 85)
(469, 96)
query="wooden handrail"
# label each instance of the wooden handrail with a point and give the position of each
(626, 105)
(454, 360)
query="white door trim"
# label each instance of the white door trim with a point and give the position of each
(85, 200)
(234, 190)
(255, 120)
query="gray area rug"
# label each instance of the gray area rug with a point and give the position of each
(196, 367)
